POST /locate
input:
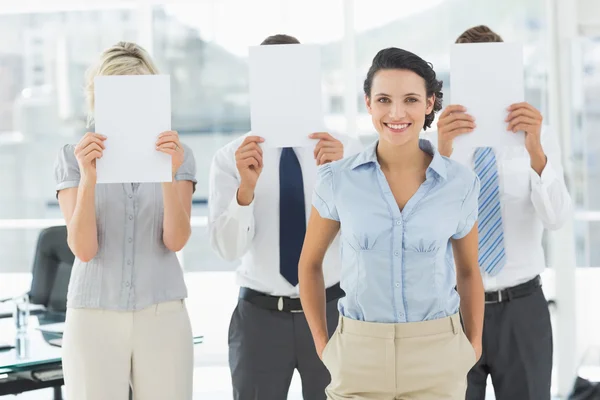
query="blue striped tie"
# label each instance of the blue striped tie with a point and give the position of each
(492, 256)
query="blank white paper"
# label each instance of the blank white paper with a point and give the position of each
(286, 94)
(487, 78)
(131, 111)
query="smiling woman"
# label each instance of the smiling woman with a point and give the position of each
(402, 95)
(415, 189)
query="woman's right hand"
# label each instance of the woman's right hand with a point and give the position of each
(320, 346)
(89, 148)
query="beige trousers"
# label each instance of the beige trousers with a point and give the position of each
(411, 361)
(151, 349)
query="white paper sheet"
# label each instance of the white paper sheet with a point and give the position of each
(132, 111)
(487, 78)
(285, 94)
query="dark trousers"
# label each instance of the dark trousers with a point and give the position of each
(517, 350)
(265, 347)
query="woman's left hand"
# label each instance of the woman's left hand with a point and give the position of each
(168, 142)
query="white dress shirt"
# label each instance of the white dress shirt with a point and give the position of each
(529, 203)
(251, 233)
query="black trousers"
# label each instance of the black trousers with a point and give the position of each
(517, 350)
(265, 347)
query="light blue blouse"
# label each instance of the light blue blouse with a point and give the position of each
(397, 266)
(132, 269)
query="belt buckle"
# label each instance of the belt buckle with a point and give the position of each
(499, 298)
(280, 306)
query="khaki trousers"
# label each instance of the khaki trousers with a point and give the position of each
(104, 352)
(410, 361)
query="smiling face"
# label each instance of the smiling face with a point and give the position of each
(398, 104)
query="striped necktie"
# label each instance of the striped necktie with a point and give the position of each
(492, 255)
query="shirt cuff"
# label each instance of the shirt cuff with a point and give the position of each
(322, 208)
(66, 185)
(468, 226)
(243, 214)
(185, 177)
(548, 175)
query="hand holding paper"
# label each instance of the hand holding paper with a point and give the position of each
(88, 150)
(453, 122)
(526, 118)
(328, 148)
(249, 163)
(168, 143)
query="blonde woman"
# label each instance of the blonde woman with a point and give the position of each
(126, 321)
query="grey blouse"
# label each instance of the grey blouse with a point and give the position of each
(132, 269)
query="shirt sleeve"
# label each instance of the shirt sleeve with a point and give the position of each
(231, 226)
(66, 168)
(549, 193)
(323, 199)
(469, 210)
(187, 171)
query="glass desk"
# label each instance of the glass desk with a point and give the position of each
(35, 360)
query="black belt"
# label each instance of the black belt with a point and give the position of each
(522, 290)
(282, 303)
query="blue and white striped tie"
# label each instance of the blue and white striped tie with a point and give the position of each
(492, 256)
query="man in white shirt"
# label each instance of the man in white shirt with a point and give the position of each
(522, 193)
(259, 201)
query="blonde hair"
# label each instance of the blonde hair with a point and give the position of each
(124, 58)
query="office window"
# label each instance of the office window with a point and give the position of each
(428, 28)
(586, 149)
(43, 58)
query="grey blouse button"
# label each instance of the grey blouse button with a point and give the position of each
(128, 262)
(396, 253)
(130, 240)
(131, 196)
(130, 217)
(397, 284)
(127, 284)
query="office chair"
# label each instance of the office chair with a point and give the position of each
(51, 270)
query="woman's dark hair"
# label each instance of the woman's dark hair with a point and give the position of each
(394, 58)
(280, 39)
